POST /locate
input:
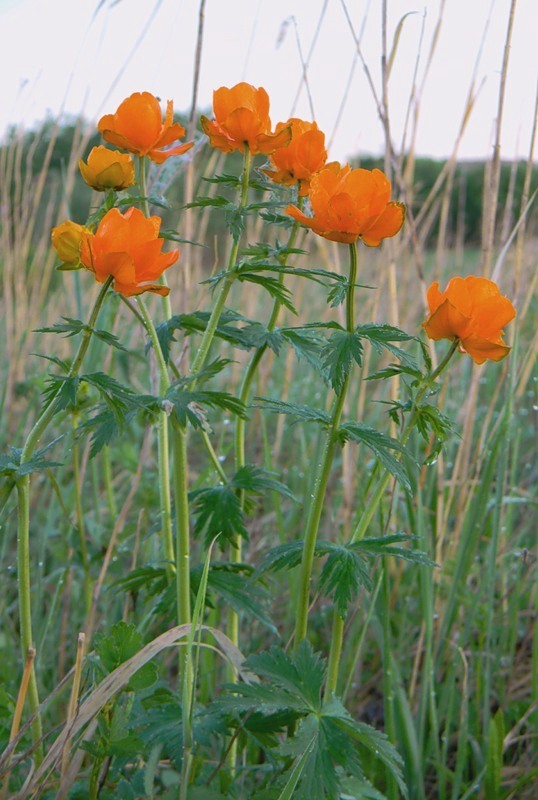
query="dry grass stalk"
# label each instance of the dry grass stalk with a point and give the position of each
(17, 715)
(73, 699)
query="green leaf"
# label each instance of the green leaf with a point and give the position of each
(274, 287)
(230, 582)
(203, 202)
(118, 646)
(306, 413)
(343, 573)
(386, 546)
(62, 389)
(189, 406)
(301, 674)
(494, 757)
(217, 511)
(69, 328)
(256, 480)
(306, 345)
(153, 579)
(342, 349)
(381, 445)
(365, 737)
(11, 466)
(197, 323)
(381, 338)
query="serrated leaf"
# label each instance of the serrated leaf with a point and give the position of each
(69, 328)
(381, 445)
(342, 349)
(342, 575)
(302, 673)
(381, 338)
(306, 413)
(306, 345)
(197, 323)
(271, 285)
(256, 480)
(189, 406)
(118, 646)
(218, 510)
(202, 202)
(229, 581)
(62, 390)
(386, 546)
(109, 338)
(153, 579)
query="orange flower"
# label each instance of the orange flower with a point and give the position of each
(67, 241)
(137, 126)
(242, 120)
(303, 156)
(127, 246)
(474, 311)
(349, 204)
(107, 169)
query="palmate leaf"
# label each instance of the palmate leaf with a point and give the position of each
(121, 643)
(197, 323)
(218, 510)
(342, 349)
(71, 326)
(306, 413)
(344, 572)
(240, 593)
(11, 466)
(274, 287)
(306, 345)
(381, 445)
(381, 338)
(189, 406)
(388, 546)
(256, 480)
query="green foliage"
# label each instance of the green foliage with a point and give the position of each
(381, 446)
(328, 743)
(120, 644)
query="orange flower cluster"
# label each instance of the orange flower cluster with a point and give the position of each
(137, 127)
(474, 311)
(242, 120)
(107, 169)
(301, 158)
(127, 247)
(350, 204)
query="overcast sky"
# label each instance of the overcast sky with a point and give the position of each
(85, 56)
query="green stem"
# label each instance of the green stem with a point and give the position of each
(181, 558)
(142, 182)
(79, 512)
(366, 517)
(227, 280)
(162, 445)
(23, 521)
(323, 474)
(109, 489)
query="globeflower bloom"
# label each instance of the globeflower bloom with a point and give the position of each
(473, 311)
(301, 158)
(107, 169)
(242, 120)
(137, 126)
(350, 204)
(127, 247)
(67, 241)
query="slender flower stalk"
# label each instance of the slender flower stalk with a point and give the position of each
(143, 184)
(228, 279)
(23, 521)
(366, 517)
(323, 473)
(162, 445)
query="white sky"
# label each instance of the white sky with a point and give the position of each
(86, 56)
